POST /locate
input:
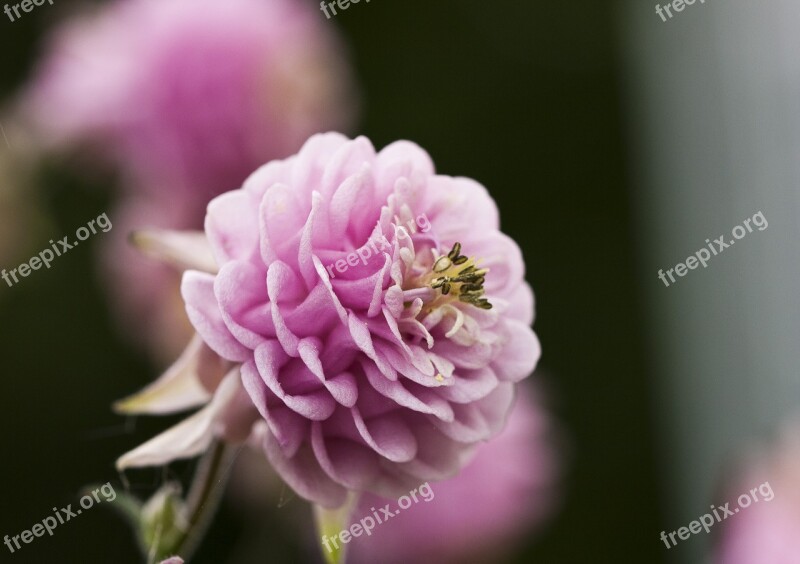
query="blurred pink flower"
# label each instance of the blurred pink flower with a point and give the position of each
(382, 375)
(185, 98)
(769, 530)
(190, 95)
(502, 495)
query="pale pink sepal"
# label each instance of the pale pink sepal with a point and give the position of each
(178, 389)
(190, 437)
(182, 249)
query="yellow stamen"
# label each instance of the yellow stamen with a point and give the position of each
(459, 276)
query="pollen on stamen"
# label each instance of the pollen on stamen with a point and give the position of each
(458, 276)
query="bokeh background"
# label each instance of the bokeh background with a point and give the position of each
(599, 131)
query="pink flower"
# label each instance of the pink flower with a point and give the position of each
(767, 530)
(357, 366)
(186, 98)
(190, 95)
(499, 497)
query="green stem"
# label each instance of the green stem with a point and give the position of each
(205, 495)
(330, 522)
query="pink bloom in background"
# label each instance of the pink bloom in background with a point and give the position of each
(767, 531)
(499, 498)
(185, 98)
(190, 95)
(355, 365)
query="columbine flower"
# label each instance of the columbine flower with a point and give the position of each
(501, 496)
(377, 378)
(185, 98)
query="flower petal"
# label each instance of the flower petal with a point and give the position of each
(520, 354)
(183, 249)
(351, 464)
(188, 438)
(304, 474)
(197, 289)
(178, 389)
(316, 404)
(388, 435)
(231, 226)
(289, 428)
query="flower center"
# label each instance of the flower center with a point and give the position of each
(452, 277)
(454, 274)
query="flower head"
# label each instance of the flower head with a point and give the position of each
(372, 319)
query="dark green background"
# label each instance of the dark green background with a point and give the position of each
(522, 96)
